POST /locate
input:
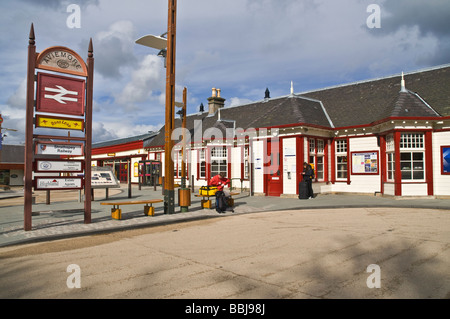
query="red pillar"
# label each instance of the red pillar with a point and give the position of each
(398, 172)
(429, 162)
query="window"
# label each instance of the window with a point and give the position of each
(219, 161)
(390, 166)
(202, 161)
(341, 159)
(390, 157)
(412, 165)
(177, 161)
(316, 156)
(246, 162)
(412, 156)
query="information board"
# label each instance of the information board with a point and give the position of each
(365, 163)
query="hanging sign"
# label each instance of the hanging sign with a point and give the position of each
(48, 183)
(52, 148)
(61, 59)
(59, 123)
(60, 94)
(53, 166)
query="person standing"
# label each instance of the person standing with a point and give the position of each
(308, 176)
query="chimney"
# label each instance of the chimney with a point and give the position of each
(215, 102)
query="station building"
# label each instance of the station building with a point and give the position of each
(388, 136)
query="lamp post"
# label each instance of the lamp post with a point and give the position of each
(167, 47)
(184, 194)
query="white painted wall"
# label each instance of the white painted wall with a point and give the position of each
(288, 162)
(258, 173)
(441, 182)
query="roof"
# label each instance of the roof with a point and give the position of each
(13, 154)
(360, 103)
(143, 137)
(365, 102)
(288, 110)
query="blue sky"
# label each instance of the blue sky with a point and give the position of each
(239, 46)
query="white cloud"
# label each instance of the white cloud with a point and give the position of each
(147, 81)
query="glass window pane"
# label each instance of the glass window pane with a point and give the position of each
(418, 175)
(405, 156)
(406, 175)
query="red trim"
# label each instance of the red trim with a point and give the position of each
(118, 148)
(442, 160)
(382, 162)
(300, 144)
(398, 172)
(325, 160)
(348, 161)
(429, 162)
(333, 161)
(361, 152)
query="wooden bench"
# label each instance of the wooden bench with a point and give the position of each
(206, 201)
(149, 210)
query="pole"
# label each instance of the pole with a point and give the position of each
(29, 132)
(185, 193)
(183, 147)
(88, 132)
(169, 194)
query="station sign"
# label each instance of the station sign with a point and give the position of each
(54, 166)
(59, 123)
(57, 183)
(53, 148)
(60, 94)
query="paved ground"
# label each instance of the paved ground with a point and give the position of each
(269, 248)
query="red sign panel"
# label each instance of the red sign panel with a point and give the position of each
(60, 94)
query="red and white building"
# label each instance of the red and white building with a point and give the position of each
(389, 136)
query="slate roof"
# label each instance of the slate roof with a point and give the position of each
(13, 154)
(144, 137)
(353, 104)
(288, 110)
(366, 102)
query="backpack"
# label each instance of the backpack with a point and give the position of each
(221, 202)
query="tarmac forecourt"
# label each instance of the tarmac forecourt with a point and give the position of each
(63, 218)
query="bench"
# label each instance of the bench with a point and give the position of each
(206, 201)
(116, 212)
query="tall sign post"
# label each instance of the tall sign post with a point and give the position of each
(169, 192)
(58, 94)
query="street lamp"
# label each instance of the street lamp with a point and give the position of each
(167, 50)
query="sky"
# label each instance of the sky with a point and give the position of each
(239, 46)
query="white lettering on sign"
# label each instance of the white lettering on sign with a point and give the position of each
(61, 96)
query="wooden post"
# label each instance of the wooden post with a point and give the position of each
(169, 195)
(88, 135)
(29, 132)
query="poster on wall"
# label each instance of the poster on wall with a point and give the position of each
(445, 159)
(365, 163)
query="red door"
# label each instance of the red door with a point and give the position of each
(273, 173)
(123, 173)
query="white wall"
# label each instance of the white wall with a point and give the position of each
(288, 162)
(362, 183)
(236, 165)
(441, 182)
(16, 181)
(258, 172)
